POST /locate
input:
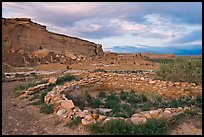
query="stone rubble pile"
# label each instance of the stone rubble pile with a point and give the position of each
(64, 107)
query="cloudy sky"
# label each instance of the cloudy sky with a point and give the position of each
(139, 25)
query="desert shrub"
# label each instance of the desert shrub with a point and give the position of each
(42, 95)
(65, 78)
(121, 127)
(88, 98)
(146, 106)
(74, 122)
(102, 94)
(35, 96)
(95, 103)
(191, 112)
(181, 69)
(39, 97)
(47, 109)
(143, 97)
(125, 110)
(174, 103)
(123, 95)
(198, 101)
(111, 101)
(24, 86)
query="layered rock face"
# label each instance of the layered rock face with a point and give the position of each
(26, 43)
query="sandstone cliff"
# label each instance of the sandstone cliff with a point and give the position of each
(26, 43)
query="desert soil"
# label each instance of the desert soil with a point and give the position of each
(19, 118)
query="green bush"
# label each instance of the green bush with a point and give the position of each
(24, 86)
(40, 98)
(65, 78)
(123, 95)
(198, 101)
(111, 101)
(182, 70)
(74, 122)
(95, 103)
(47, 109)
(122, 127)
(146, 106)
(102, 94)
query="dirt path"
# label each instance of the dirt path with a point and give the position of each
(18, 118)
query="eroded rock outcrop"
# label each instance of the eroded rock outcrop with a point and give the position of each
(26, 43)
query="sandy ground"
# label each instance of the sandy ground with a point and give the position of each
(18, 118)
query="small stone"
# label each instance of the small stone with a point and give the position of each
(87, 122)
(86, 112)
(102, 117)
(154, 112)
(61, 112)
(104, 110)
(142, 78)
(148, 116)
(152, 82)
(137, 120)
(177, 83)
(52, 80)
(170, 84)
(192, 84)
(68, 104)
(88, 117)
(95, 116)
(186, 108)
(165, 115)
(136, 115)
(81, 114)
(167, 111)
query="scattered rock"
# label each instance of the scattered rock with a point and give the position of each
(85, 111)
(95, 116)
(87, 122)
(138, 120)
(102, 117)
(136, 115)
(152, 82)
(52, 80)
(61, 112)
(35, 89)
(88, 117)
(148, 116)
(103, 110)
(68, 104)
(154, 112)
(170, 84)
(167, 111)
(142, 78)
(165, 115)
(177, 83)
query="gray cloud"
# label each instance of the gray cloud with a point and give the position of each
(145, 20)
